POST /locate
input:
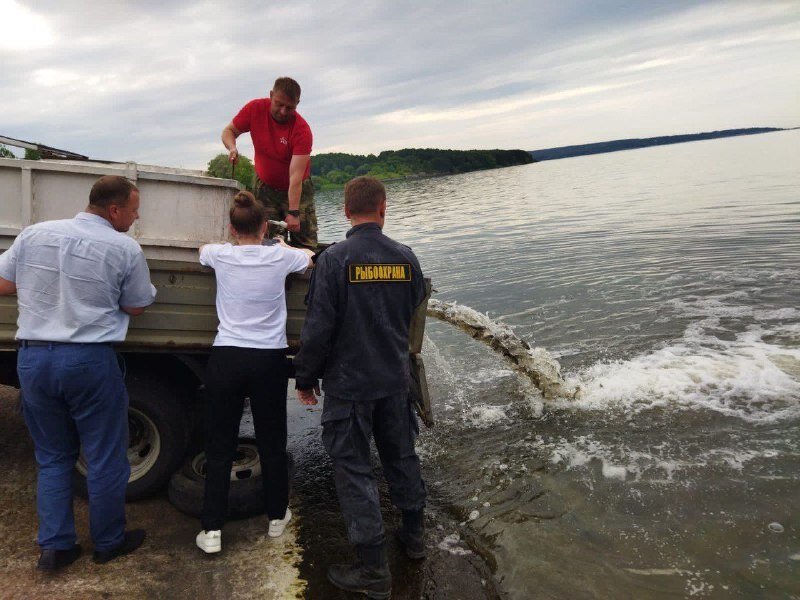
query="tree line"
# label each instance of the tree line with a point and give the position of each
(334, 169)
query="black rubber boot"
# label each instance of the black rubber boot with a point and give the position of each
(411, 534)
(369, 575)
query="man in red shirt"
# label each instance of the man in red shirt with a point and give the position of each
(282, 141)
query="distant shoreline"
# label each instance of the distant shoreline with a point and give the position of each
(333, 170)
(635, 143)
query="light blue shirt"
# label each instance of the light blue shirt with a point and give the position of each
(72, 277)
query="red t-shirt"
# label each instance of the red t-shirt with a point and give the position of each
(275, 143)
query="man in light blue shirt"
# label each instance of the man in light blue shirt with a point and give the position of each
(78, 281)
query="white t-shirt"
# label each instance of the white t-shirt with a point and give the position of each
(251, 298)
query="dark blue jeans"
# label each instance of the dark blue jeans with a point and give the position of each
(347, 427)
(73, 395)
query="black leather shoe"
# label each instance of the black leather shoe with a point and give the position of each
(361, 580)
(53, 560)
(369, 575)
(132, 540)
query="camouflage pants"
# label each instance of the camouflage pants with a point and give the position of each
(277, 203)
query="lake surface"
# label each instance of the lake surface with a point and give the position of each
(666, 281)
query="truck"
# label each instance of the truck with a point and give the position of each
(166, 349)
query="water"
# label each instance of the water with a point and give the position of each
(536, 364)
(666, 283)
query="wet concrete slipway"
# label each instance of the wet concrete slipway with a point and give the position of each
(252, 565)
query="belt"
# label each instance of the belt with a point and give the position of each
(29, 343)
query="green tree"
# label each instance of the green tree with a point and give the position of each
(5, 152)
(440, 164)
(32, 154)
(338, 177)
(244, 173)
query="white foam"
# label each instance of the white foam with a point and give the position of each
(624, 464)
(737, 305)
(658, 572)
(775, 527)
(777, 314)
(746, 377)
(734, 459)
(486, 415)
(712, 306)
(451, 544)
(614, 471)
(698, 588)
(747, 275)
(754, 376)
(487, 375)
(583, 451)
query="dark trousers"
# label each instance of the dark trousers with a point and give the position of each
(347, 427)
(73, 395)
(233, 374)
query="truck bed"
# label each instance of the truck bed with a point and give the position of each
(180, 211)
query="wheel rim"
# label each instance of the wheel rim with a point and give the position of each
(144, 445)
(245, 463)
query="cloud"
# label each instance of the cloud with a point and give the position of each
(491, 109)
(22, 28)
(157, 81)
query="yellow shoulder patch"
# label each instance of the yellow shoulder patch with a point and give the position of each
(378, 273)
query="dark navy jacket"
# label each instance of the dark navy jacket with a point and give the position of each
(362, 295)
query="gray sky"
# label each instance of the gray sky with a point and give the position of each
(155, 82)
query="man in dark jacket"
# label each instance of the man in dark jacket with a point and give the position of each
(362, 296)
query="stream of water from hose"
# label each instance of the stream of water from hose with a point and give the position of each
(537, 364)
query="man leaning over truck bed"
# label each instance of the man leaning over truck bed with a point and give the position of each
(78, 281)
(282, 143)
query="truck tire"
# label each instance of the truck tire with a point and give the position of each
(159, 436)
(246, 493)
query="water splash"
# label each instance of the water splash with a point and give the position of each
(535, 363)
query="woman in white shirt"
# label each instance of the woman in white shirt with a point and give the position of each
(248, 359)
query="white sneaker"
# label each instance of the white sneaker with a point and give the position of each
(209, 541)
(276, 526)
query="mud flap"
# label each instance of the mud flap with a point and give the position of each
(419, 390)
